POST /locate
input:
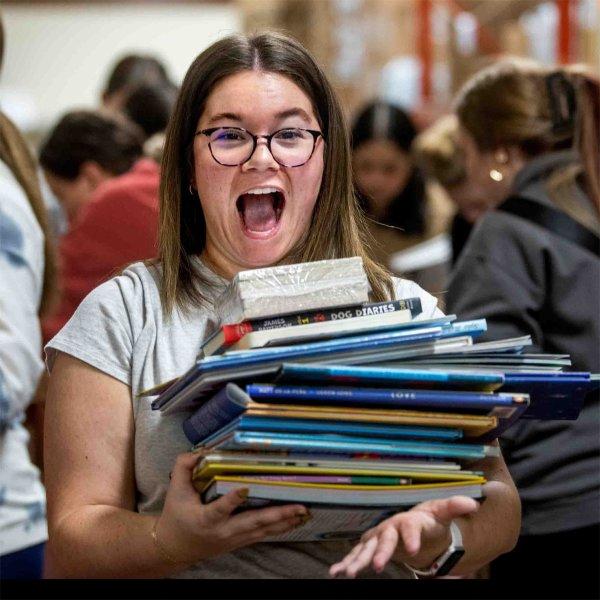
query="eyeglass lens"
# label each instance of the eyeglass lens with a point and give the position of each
(289, 147)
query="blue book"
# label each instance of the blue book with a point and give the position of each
(228, 406)
(260, 361)
(338, 347)
(377, 397)
(248, 440)
(507, 407)
(315, 426)
(556, 396)
(342, 374)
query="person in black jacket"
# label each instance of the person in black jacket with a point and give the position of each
(531, 134)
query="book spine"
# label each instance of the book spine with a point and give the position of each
(331, 314)
(377, 396)
(215, 414)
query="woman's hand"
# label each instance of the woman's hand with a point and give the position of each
(190, 531)
(416, 537)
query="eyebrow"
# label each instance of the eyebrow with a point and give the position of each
(292, 112)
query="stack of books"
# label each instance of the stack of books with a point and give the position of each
(361, 415)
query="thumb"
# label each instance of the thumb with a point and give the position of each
(444, 511)
(221, 509)
(183, 468)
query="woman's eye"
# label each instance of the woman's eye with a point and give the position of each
(229, 135)
(289, 134)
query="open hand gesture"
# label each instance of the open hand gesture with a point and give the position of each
(416, 537)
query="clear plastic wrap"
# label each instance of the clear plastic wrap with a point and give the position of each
(289, 289)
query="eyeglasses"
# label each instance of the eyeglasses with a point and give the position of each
(233, 146)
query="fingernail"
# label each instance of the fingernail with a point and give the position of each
(243, 493)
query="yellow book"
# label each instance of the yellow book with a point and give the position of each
(473, 425)
(205, 472)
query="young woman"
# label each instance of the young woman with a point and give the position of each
(530, 135)
(256, 172)
(402, 210)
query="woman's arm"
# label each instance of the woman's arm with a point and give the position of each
(94, 530)
(417, 537)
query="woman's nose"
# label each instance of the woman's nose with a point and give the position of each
(261, 159)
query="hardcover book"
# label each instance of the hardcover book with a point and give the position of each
(288, 289)
(300, 326)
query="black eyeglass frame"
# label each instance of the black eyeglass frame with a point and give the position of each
(316, 134)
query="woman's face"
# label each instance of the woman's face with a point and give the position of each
(381, 169)
(258, 211)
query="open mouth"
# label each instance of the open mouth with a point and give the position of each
(260, 210)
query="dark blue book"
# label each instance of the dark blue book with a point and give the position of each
(378, 397)
(229, 405)
(508, 408)
(553, 396)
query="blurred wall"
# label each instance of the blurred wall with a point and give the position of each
(57, 56)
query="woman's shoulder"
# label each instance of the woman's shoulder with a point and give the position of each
(137, 286)
(405, 288)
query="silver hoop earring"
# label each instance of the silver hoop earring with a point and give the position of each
(190, 190)
(496, 175)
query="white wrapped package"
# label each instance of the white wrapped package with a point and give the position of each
(295, 288)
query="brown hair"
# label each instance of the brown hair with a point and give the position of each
(337, 225)
(438, 153)
(516, 103)
(110, 140)
(15, 154)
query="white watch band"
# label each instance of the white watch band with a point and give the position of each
(453, 554)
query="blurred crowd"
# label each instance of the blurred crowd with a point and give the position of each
(85, 204)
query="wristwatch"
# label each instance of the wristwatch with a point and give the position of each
(446, 561)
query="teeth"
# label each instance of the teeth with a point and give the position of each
(268, 190)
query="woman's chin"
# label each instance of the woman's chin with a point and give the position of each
(262, 253)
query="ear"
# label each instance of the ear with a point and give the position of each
(501, 155)
(93, 174)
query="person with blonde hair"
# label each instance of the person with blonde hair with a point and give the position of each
(439, 154)
(532, 266)
(256, 172)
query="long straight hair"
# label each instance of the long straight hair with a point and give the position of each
(337, 228)
(385, 121)
(15, 154)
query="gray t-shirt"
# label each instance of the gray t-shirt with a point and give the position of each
(120, 329)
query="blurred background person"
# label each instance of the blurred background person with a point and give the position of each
(403, 211)
(84, 150)
(530, 137)
(128, 73)
(93, 162)
(439, 154)
(26, 290)
(150, 106)
(140, 88)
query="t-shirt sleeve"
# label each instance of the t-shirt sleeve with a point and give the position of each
(409, 289)
(101, 332)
